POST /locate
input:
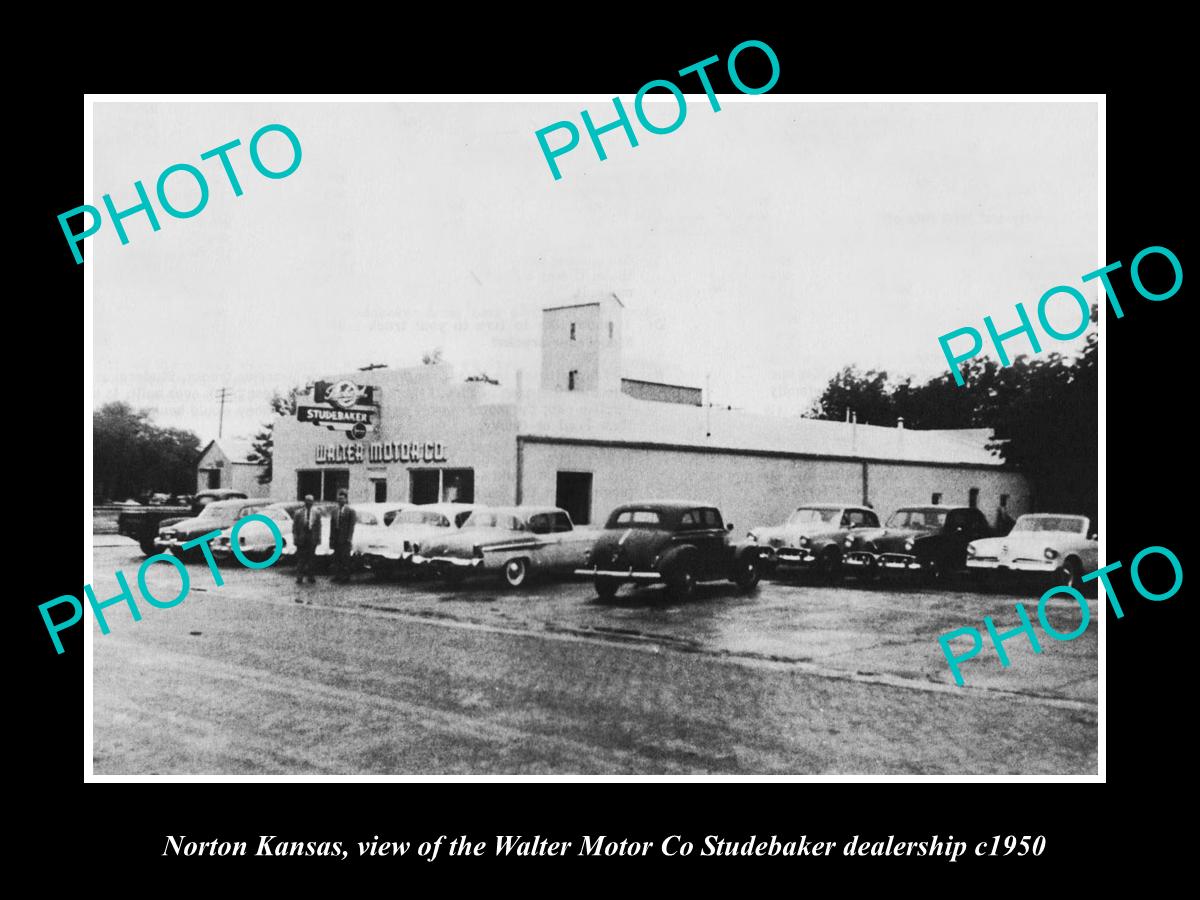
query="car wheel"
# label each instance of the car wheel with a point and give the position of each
(681, 583)
(606, 588)
(1068, 573)
(516, 571)
(829, 566)
(147, 545)
(747, 574)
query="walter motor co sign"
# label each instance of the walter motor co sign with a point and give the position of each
(341, 406)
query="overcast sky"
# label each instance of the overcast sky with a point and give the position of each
(769, 244)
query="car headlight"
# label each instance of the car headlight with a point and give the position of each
(803, 542)
(908, 545)
(1051, 553)
(971, 551)
(849, 542)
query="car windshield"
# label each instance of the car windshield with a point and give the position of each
(366, 518)
(917, 518)
(1072, 524)
(807, 515)
(635, 518)
(421, 517)
(488, 519)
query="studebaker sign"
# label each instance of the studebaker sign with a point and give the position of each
(341, 406)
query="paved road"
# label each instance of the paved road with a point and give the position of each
(415, 678)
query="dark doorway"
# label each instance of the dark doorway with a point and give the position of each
(973, 498)
(380, 489)
(423, 485)
(308, 482)
(335, 480)
(458, 485)
(574, 494)
(214, 479)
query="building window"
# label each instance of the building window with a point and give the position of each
(937, 498)
(323, 484)
(1004, 501)
(973, 498)
(380, 489)
(573, 492)
(444, 485)
(572, 331)
(571, 377)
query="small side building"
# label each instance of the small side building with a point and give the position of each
(225, 463)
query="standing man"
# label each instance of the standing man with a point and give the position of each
(306, 533)
(341, 537)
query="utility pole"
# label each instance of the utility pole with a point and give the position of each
(222, 394)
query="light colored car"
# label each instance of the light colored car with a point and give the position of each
(390, 550)
(513, 542)
(258, 543)
(813, 537)
(372, 519)
(1060, 546)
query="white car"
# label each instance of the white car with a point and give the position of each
(390, 550)
(1060, 546)
(372, 519)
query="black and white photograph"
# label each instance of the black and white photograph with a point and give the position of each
(469, 437)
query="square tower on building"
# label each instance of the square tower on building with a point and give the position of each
(581, 346)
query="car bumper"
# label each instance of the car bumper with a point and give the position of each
(792, 557)
(168, 545)
(1036, 566)
(455, 562)
(622, 574)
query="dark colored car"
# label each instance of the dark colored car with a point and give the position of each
(676, 543)
(216, 516)
(813, 538)
(918, 540)
(143, 524)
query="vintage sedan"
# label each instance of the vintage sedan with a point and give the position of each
(513, 542)
(372, 520)
(390, 550)
(1061, 547)
(216, 516)
(674, 543)
(813, 538)
(927, 541)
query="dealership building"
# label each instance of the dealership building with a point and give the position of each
(588, 439)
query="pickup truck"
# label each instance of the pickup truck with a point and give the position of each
(142, 523)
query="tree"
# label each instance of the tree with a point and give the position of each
(131, 456)
(432, 357)
(263, 444)
(1042, 409)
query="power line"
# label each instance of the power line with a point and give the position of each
(223, 394)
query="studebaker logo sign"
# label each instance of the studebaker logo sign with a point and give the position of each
(341, 406)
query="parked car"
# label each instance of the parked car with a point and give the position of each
(143, 523)
(514, 542)
(813, 538)
(371, 520)
(1062, 547)
(389, 550)
(216, 516)
(929, 541)
(257, 541)
(675, 543)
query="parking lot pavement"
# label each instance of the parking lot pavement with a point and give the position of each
(873, 642)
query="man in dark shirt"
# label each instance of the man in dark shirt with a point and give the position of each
(341, 537)
(306, 533)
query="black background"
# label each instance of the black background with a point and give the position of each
(1151, 379)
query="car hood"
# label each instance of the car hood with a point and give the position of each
(891, 538)
(788, 535)
(1028, 541)
(194, 526)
